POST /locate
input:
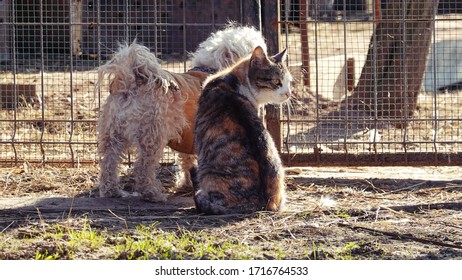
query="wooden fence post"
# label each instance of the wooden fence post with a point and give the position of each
(264, 15)
(271, 31)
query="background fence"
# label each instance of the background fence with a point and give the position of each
(382, 82)
(366, 92)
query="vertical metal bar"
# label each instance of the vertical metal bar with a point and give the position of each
(213, 14)
(347, 121)
(15, 113)
(71, 92)
(127, 39)
(405, 89)
(184, 37)
(376, 20)
(286, 29)
(98, 49)
(156, 23)
(435, 102)
(42, 77)
(126, 25)
(241, 11)
(98, 35)
(317, 150)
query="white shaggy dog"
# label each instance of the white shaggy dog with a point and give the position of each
(149, 107)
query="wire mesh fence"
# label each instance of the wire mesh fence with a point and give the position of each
(50, 51)
(380, 82)
(376, 82)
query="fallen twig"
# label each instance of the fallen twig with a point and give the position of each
(419, 207)
(377, 189)
(406, 188)
(3, 230)
(394, 211)
(120, 218)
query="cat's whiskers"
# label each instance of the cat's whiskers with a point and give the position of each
(292, 101)
(290, 106)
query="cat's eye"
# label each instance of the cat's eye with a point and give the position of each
(277, 82)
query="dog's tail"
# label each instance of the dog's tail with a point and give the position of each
(133, 65)
(225, 47)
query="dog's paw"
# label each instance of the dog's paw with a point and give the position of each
(183, 187)
(154, 196)
(113, 193)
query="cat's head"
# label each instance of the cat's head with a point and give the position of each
(269, 77)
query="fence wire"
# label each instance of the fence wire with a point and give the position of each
(50, 51)
(365, 89)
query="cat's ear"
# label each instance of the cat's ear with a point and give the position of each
(258, 56)
(258, 51)
(280, 57)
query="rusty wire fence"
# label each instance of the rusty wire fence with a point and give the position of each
(380, 82)
(50, 51)
(376, 82)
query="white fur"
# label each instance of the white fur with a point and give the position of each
(145, 107)
(225, 47)
(132, 117)
(280, 95)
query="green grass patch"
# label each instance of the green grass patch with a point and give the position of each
(150, 242)
(63, 241)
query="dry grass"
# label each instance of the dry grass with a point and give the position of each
(358, 214)
(52, 180)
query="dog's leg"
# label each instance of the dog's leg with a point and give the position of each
(150, 150)
(183, 178)
(111, 148)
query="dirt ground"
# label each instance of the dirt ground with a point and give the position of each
(332, 212)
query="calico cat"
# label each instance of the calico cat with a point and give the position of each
(239, 169)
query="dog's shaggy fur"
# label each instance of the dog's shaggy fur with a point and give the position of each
(149, 107)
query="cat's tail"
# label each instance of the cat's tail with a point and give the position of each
(132, 65)
(205, 203)
(225, 47)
